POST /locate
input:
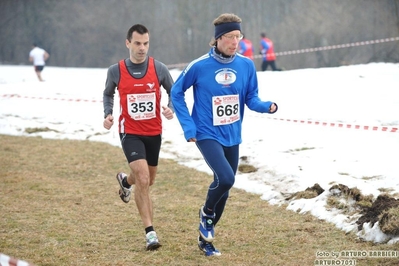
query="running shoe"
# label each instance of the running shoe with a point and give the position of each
(206, 227)
(152, 241)
(124, 193)
(208, 248)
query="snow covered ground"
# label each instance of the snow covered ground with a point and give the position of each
(292, 149)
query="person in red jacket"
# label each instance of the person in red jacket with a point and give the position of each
(246, 48)
(268, 55)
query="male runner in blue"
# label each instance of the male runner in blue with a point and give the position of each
(223, 82)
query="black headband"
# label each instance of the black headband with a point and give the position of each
(226, 27)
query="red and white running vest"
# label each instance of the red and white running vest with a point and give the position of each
(270, 55)
(140, 101)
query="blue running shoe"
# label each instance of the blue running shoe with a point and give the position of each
(208, 248)
(206, 228)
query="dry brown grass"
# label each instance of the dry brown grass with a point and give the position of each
(59, 206)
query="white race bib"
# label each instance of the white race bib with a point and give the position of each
(141, 106)
(226, 109)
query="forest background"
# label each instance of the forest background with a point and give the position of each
(92, 33)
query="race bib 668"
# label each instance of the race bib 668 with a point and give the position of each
(225, 109)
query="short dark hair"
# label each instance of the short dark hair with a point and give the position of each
(263, 35)
(141, 29)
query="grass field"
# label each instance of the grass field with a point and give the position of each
(59, 206)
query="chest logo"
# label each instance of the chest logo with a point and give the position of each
(150, 86)
(225, 77)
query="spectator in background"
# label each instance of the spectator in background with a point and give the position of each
(268, 55)
(38, 56)
(246, 48)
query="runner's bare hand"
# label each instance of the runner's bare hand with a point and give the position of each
(167, 112)
(108, 121)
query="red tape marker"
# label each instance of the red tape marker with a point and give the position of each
(340, 125)
(48, 98)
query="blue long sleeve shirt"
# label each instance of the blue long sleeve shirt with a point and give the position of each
(221, 91)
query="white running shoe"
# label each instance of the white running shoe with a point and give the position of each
(124, 193)
(152, 241)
